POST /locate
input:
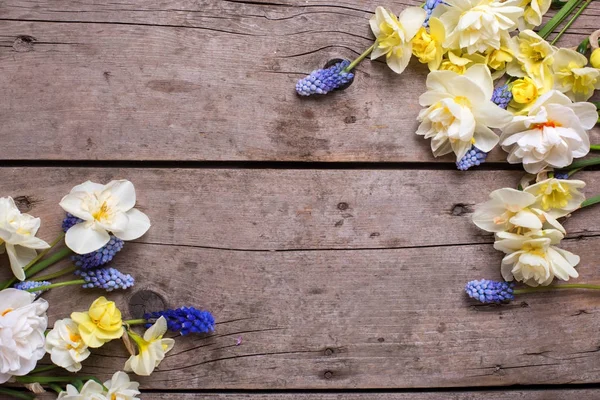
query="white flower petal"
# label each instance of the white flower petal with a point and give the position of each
(411, 19)
(138, 225)
(124, 191)
(83, 238)
(19, 257)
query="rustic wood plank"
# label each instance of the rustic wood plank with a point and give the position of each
(204, 80)
(314, 317)
(290, 209)
(582, 394)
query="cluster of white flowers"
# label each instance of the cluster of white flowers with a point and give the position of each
(527, 231)
(119, 387)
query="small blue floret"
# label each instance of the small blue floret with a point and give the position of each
(429, 6)
(488, 292)
(323, 81)
(184, 320)
(502, 96)
(26, 285)
(473, 158)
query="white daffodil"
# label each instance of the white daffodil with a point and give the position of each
(534, 10)
(394, 35)
(103, 209)
(120, 387)
(552, 134)
(572, 77)
(557, 197)
(92, 390)
(533, 57)
(532, 258)
(152, 349)
(460, 111)
(17, 236)
(511, 210)
(477, 25)
(23, 322)
(65, 346)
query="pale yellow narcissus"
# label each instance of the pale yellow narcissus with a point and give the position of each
(101, 324)
(557, 197)
(459, 111)
(572, 77)
(152, 349)
(477, 25)
(534, 10)
(533, 57)
(65, 345)
(460, 63)
(394, 35)
(595, 58)
(427, 47)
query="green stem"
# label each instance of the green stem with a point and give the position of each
(557, 287)
(135, 322)
(585, 163)
(56, 274)
(354, 63)
(16, 394)
(45, 368)
(595, 147)
(50, 379)
(57, 285)
(591, 201)
(573, 171)
(577, 14)
(56, 388)
(559, 17)
(53, 259)
(583, 46)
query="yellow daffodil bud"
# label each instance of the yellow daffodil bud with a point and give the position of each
(497, 59)
(424, 47)
(595, 58)
(101, 324)
(524, 91)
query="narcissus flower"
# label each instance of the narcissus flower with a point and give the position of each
(534, 11)
(572, 77)
(532, 258)
(394, 35)
(17, 236)
(152, 349)
(103, 209)
(533, 57)
(65, 346)
(595, 58)
(477, 25)
(557, 197)
(512, 210)
(23, 322)
(460, 111)
(101, 324)
(458, 63)
(120, 387)
(427, 47)
(92, 390)
(552, 133)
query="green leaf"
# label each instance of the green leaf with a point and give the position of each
(16, 394)
(558, 18)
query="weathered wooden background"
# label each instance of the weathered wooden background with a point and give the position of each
(337, 275)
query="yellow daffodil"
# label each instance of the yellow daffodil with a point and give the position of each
(557, 197)
(534, 10)
(394, 35)
(427, 47)
(101, 324)
(459, 111)
(477, 25)
(497, 59)
(525, 93)
(533, 57)
(460, 63)
(152, 349)
(595, 58)
(572, 77)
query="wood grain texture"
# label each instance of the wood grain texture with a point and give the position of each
(581, 394)
(329, 313)
(204, 80)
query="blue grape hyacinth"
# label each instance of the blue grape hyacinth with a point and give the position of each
(96, 258)
(108, 279)
(561, 175)
(473, 158)
(502, 96)
(429, 6)
(323, 81)
(26, 285)
(489, 292)
(184, 320)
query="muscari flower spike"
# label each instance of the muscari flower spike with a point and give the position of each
(26, 285)
(323, 81)
(501, 97)
(184, 320)
(429, 6)
(96, 258)
(108, 279)
(561, 175)
(488, 292)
